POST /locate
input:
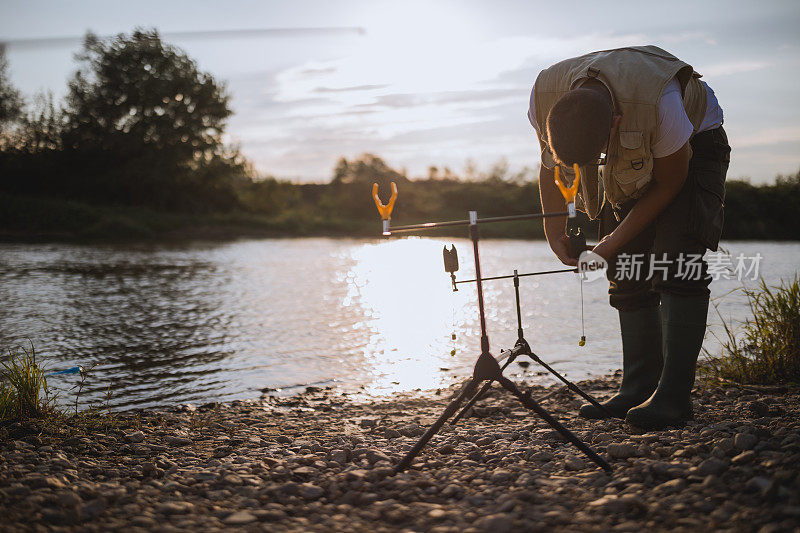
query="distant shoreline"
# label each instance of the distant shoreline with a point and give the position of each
(36, 220)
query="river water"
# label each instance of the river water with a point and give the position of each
(198, 322)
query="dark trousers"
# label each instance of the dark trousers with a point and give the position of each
(667, 255)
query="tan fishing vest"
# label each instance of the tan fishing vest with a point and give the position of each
(636, 77)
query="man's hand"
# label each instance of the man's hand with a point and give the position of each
(560, 247)
(607, 247)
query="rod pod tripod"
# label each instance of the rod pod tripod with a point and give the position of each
(486, 367)
(521, 347)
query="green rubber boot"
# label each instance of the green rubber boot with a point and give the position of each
(641, 363)
(684, 323)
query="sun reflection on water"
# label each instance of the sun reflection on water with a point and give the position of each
(410, 311)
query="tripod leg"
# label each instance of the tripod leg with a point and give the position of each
(471, 402)
(531, 404)
(423, 440)
(570, 385)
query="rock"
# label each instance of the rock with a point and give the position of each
(92, 509)
(48, 482)
(710, 466)
(144, 522)
(357, 474)
(600, 438)
(411, 430)
(613, 504)
(437, 514)
(232, 479)
(373, 456)
(446, 449)
(671, 486)
(283, 439)
(134, 437)
(148, 469)
(289, 488)
(178, 441)
(311, 492)
(222, 451)
(304, 471)
(744, 457)
(622, 450)
(240, 518)
(500, 476)
(758, 408)
(340, 456)
(475, 455)
(494, 523)
(451, 491)
(745, 441)
(767, 487)
(726, 444)
(542, 457)
(392, 433)
(69, 499)
(368, 423)
(170, 508)
(203, 475)
(572, 462)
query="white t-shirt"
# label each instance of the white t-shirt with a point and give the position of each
(674, 126)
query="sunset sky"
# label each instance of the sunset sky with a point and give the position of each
(432, 82)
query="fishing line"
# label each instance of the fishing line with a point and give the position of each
(582, 342)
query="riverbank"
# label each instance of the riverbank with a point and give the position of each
(321, 461)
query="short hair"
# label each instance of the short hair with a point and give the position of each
(578, 126)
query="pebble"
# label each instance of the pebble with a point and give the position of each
(615, 504)
(572, 462)
(340, 456)
(494, 523)
(178, 441)
(758, 408)
(501, 476)
(69, 499)
(240, 518)
(135, 436)
(622, 450)
(446, 449)
(170, 508)
(745, 441)
(373, 456)
(711, 466)
(311, 492)
(744, 457)
(222, 451)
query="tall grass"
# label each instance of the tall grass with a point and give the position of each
(23, 387)
(765, 350)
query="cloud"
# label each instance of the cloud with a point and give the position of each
(768, 137)
(733, 67)
(368, 87)
(687, 36)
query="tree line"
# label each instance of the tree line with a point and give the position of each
(136, 148)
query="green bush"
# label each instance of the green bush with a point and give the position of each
(766, 349)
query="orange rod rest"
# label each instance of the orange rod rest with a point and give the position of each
(384, 210)
(569, 192)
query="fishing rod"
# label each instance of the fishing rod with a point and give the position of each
(487, 367)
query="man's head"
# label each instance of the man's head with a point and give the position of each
(579, 125)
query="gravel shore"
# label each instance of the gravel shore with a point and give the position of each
(321, 461)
